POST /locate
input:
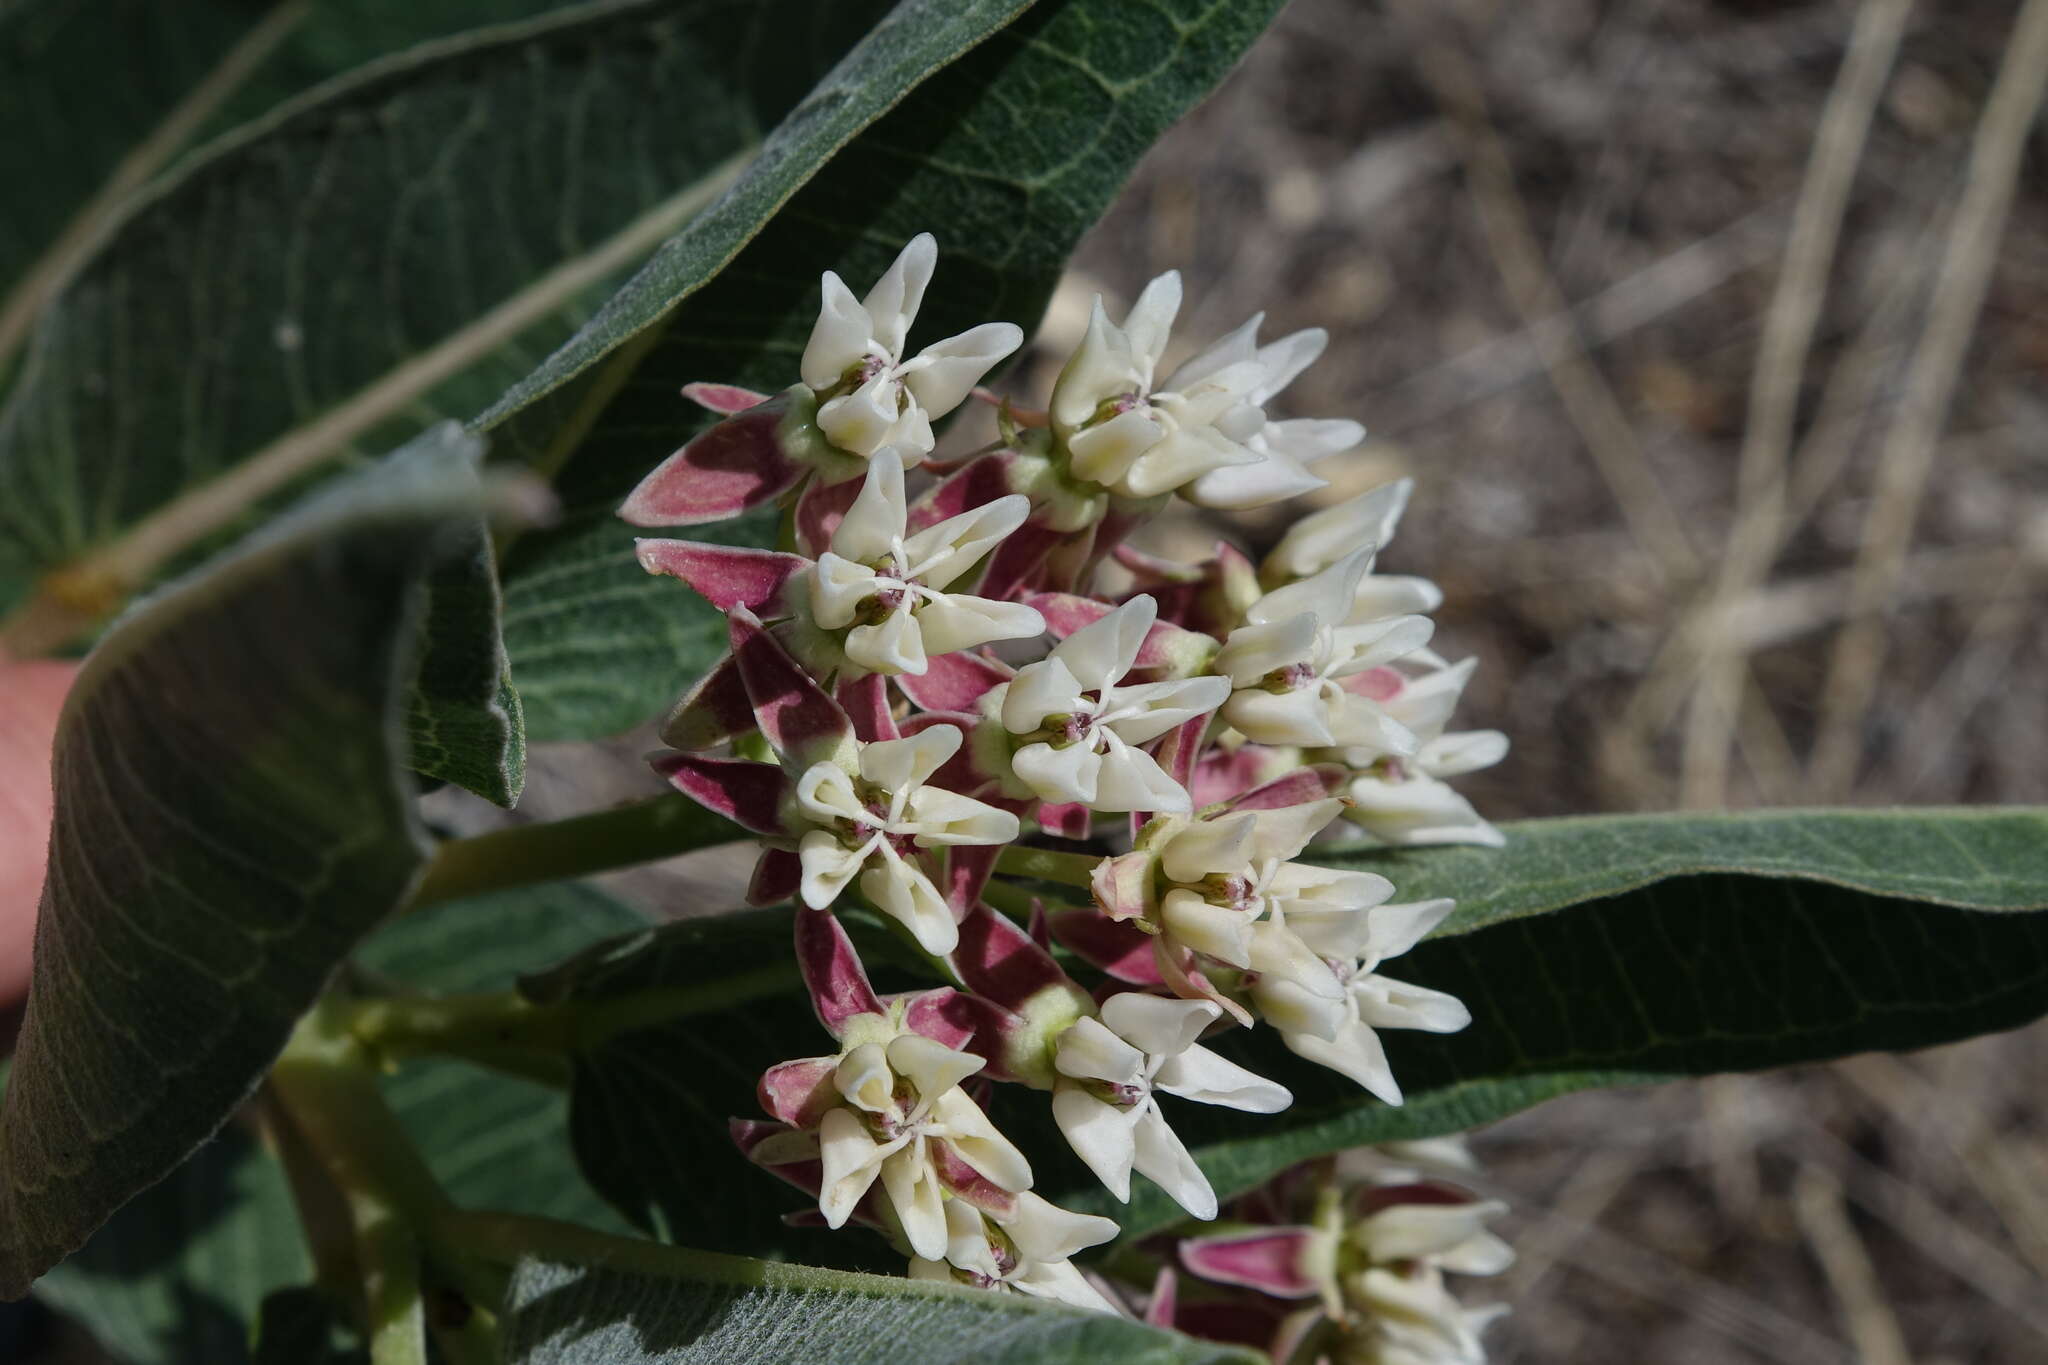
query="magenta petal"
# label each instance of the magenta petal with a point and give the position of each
(832, 971)
(1179, 747)
(943, 1015)
(712, 712)
(723, 399)
(960, 1177)
(734, 466)
(1067, 820)
(799, 1092)
(1122, 950)
(866, 703)
(1152, 570)
(1067, 612)
(997, 960)
(1271, 1262)
(1373, 1198)
(968, 867)
(778, 872)
(726, 576)
(792, 711)
(1017, 562)
(1376, 684)
(820, 510)
(975, 484)
(1297, 788)
(1223, 774)
(747, 793)
(1183, 976)
(954, 682)
(1165, 1297)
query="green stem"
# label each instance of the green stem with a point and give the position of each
(505, 1030)
(328, 1092)
(556, 850)
(1048, 865)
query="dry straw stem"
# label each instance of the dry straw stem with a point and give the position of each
(1776, 381)
(1908, 452)
(1518, 255)
(1859, 1296)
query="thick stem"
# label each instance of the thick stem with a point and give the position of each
(337, 1114)
(1048, 865)
(557, 850)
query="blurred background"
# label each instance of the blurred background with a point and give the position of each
(1723, 393)
(1713, 333)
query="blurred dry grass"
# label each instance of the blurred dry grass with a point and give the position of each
(1555, 247)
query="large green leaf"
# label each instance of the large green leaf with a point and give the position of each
(1583, 966)
(1979, 858)
(414, 238)
(98, 94)
(629, 1306)
(1009, 156)
(232, 814)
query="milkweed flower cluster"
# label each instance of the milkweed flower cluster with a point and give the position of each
(1342, 1268)
(928, 674)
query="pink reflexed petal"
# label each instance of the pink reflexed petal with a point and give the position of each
(1374, 1198)
(747, 793)
(1152, 571)
(1271, 1262)
(790, 708)
(960, 1177)
(723, 399)
(1069, 820)
(1067, 612)
(1178, 970)
(968, 867)
(975, 484)
(1376, 684)
(712, 712)
(954, 682)
(1040, 931)
(1180, 747)
(1124, 951)
(1223, 774)
(726, 576)
(1312, 783)
(799, 1092)
(832, 972)
(1159, 1310)
(1015, 566)
(997, 960)
(778, 872)
(736, 465)
(944, 1015)
(866, 703)
(820, 510)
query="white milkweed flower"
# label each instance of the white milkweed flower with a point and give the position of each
(872, 396)
(1129, 436)
(1292, 662)
(903, 1103)
(886, 589)
(1371, 1001)
(1093, 725)
(874, 823)
(1404, 799)
(1110, 1069)
(1322, 538)
(1287, 447)
(1024, 1253)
